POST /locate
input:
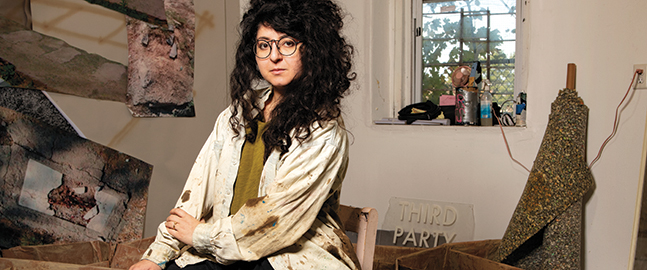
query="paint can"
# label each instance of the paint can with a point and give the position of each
(467, 106)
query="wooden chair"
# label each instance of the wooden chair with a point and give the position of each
(362, 221)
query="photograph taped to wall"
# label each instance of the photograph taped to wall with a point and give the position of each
(36, 61)
(161, 57)
(37, 104)
(61, 188)
(161, 42)
(160, 63)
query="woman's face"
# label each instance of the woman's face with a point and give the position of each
(278, 69)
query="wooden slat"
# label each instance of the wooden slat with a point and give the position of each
(570, 76)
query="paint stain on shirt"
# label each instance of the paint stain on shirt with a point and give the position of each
(333, 250)
(254, 201)
(186, 196)
(269, 223)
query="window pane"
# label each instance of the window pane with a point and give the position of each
(436, 82)
(474, 26)
(503, 27)
(474, 51)
(434, 51)
(502, 50)
(440, 26)
(502, 79)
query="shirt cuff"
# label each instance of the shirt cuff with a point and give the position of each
(218, 240)
(159, 254)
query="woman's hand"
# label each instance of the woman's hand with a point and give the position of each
(181, 225)
(145, 265)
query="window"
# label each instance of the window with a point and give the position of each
(448, 34)
(395, 54)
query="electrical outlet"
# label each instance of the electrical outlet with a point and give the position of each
(641, 79)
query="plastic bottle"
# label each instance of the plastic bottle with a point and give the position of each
(520, 110)
(486, 105)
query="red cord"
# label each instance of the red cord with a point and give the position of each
(506, 141)
(615, 121)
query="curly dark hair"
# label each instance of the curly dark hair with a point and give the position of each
(315, 94)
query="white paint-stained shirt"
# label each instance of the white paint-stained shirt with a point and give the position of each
(294, 220)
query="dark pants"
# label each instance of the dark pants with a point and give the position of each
(261, 264)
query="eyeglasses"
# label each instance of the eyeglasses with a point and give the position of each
(287, 46)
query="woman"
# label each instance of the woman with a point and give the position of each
(264, 190)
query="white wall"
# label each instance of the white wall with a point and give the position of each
(453, 164)
(470, 165)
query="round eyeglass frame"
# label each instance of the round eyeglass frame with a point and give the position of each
(278, 47)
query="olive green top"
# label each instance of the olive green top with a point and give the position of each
(249, 172)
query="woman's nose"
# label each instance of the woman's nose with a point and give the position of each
(275, 55)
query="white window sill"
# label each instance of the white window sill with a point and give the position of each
(395, 121)
(433, 122)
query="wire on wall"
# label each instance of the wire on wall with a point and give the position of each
(613, 133)
(615, 120)
(506, 142)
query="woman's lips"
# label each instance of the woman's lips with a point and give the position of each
(277, 71)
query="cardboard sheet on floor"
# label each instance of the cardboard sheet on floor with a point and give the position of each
(474, 255)
(83, 253)
(93, 253)
(19, 264)
(127, 254)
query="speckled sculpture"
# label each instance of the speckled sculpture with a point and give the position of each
(545, 229)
